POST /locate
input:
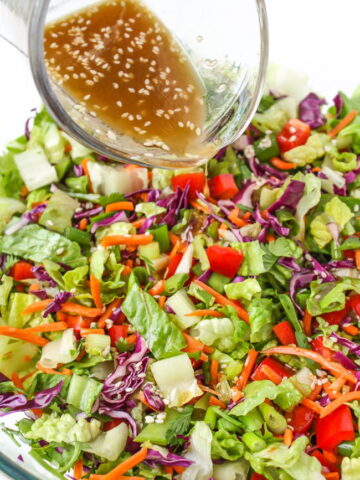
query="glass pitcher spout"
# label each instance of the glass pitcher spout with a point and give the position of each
(15, 15)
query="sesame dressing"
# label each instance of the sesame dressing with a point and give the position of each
(118, 59)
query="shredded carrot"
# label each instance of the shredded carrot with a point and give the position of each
(47, 327)
(246, 215)
(109, 309)
(83, 223)
(332, 475)
(343, 123)
(316, 169)
(77, 321)
(288, 437)
(48, 371)
(350, 329)
(179, 469)
(143, 400)
(357, 258)
(265, 214)
(138, 223)
(224, 301)
(158, 288)
(92, 331)
(66, 371)
(194, 345)
(315, 407)
(248, 368)
(68, 148)
(17, 381)
(330, 392)
(208, 390)
(78, 470)
(95, 291)
(200, 206)
(35, 287)
(271, 374)
(204, 313)
(216, 402)
(307, 323)
(234, 218)
(344, 398)
(214, 373)
(131, 338)
(282, 165)
(37, 306)
(174, 250)
(236, 394)
(126, 465)
(224, 226)
(270, 238)
(169, 470)
(22, 335)
(162, 301)
(38, 412)
(84, 164)
(112, 207)
(111, 240)
(126, 270)
(121, 477)
(174, 238)
(76, 309)
(24, 191)
(335, 368)
(315, 392)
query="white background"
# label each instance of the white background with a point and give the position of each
(317, 37)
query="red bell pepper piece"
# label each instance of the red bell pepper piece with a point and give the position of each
(285, 333)
(293, 134)
(224, 260)
(196, 182)
(301, 419)
(110, 425)
(223, 186)
(318, 346)
(353, 303)
(21, 271)
(335, 428)
(116, 332)
(278, 368)
(328, 466)
(173, 264)
(257, 476)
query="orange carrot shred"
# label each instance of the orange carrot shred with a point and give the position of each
(344, 398)
(162, 301)
(343, 123)
(78, 470)
(111, 240)
(47, 327)
(126, 465)
(288, 437)
(112, 207)
(37, 306)
(214, 373)
(282, 165)
(109, 309)
(95, 291)
(77, 309)
(216, 402)
(92, 331)
(350, 329)
(158, 288)
(357, 258)
(83, 223)
(23, 335)
(248, 368)
(203, 313)
(307, 323)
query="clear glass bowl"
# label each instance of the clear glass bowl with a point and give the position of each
(227, 42)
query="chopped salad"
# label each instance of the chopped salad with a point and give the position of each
(196, 324)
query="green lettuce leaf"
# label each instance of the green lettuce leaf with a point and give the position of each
(261, 319)
(226, 445)
(350, 468)
(211, 331)
(37, 244)
(253, 258)
(58, 212)
(8, 207)
(10, 179)
(309, 200)
(255, 394)
(308, 153)
(149, 209)
(288, 395)
(330, 296)
(199, 452)
(5, 289)
(293, 460)
(284, 247)
(243, 291)
(152, 323)
(74, 278)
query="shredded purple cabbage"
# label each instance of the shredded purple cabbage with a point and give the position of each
(310, 110)
(106, 222)
(174, 203)
(345, 342)
(290, 198)
(171, 459)
(152, 397)
(298, 281)
(345, 361)
(27, 217)
(56, 304)
(89, 213)
(17, 402)
(42, 275)
(338, 102)
(319, 269)
(289, 262)
(245, 194)
(78, 170)
(149, 222)
(205, 276)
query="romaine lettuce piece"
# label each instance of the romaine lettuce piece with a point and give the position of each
(350, 468)
(109, 444)
(245, 290)
(212, 330)
(255, 394)
(149, 209)
(226, 445)
(62, 350)
(58, 212)
(199, 453)
(35, 168)
(231, 470)
(8, 207)
(308, 153)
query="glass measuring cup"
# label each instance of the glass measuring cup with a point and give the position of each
(227, 42)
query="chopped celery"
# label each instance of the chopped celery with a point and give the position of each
(62, 167)
(160, 263)
(109, 444)
(156, 432)
(218, 282)
(201, 294)
(17, 303)
(82, 393)
(181, 303)
(17, 351)
(150, 251)
(62, 350)
(161, 235)
(97, 344)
